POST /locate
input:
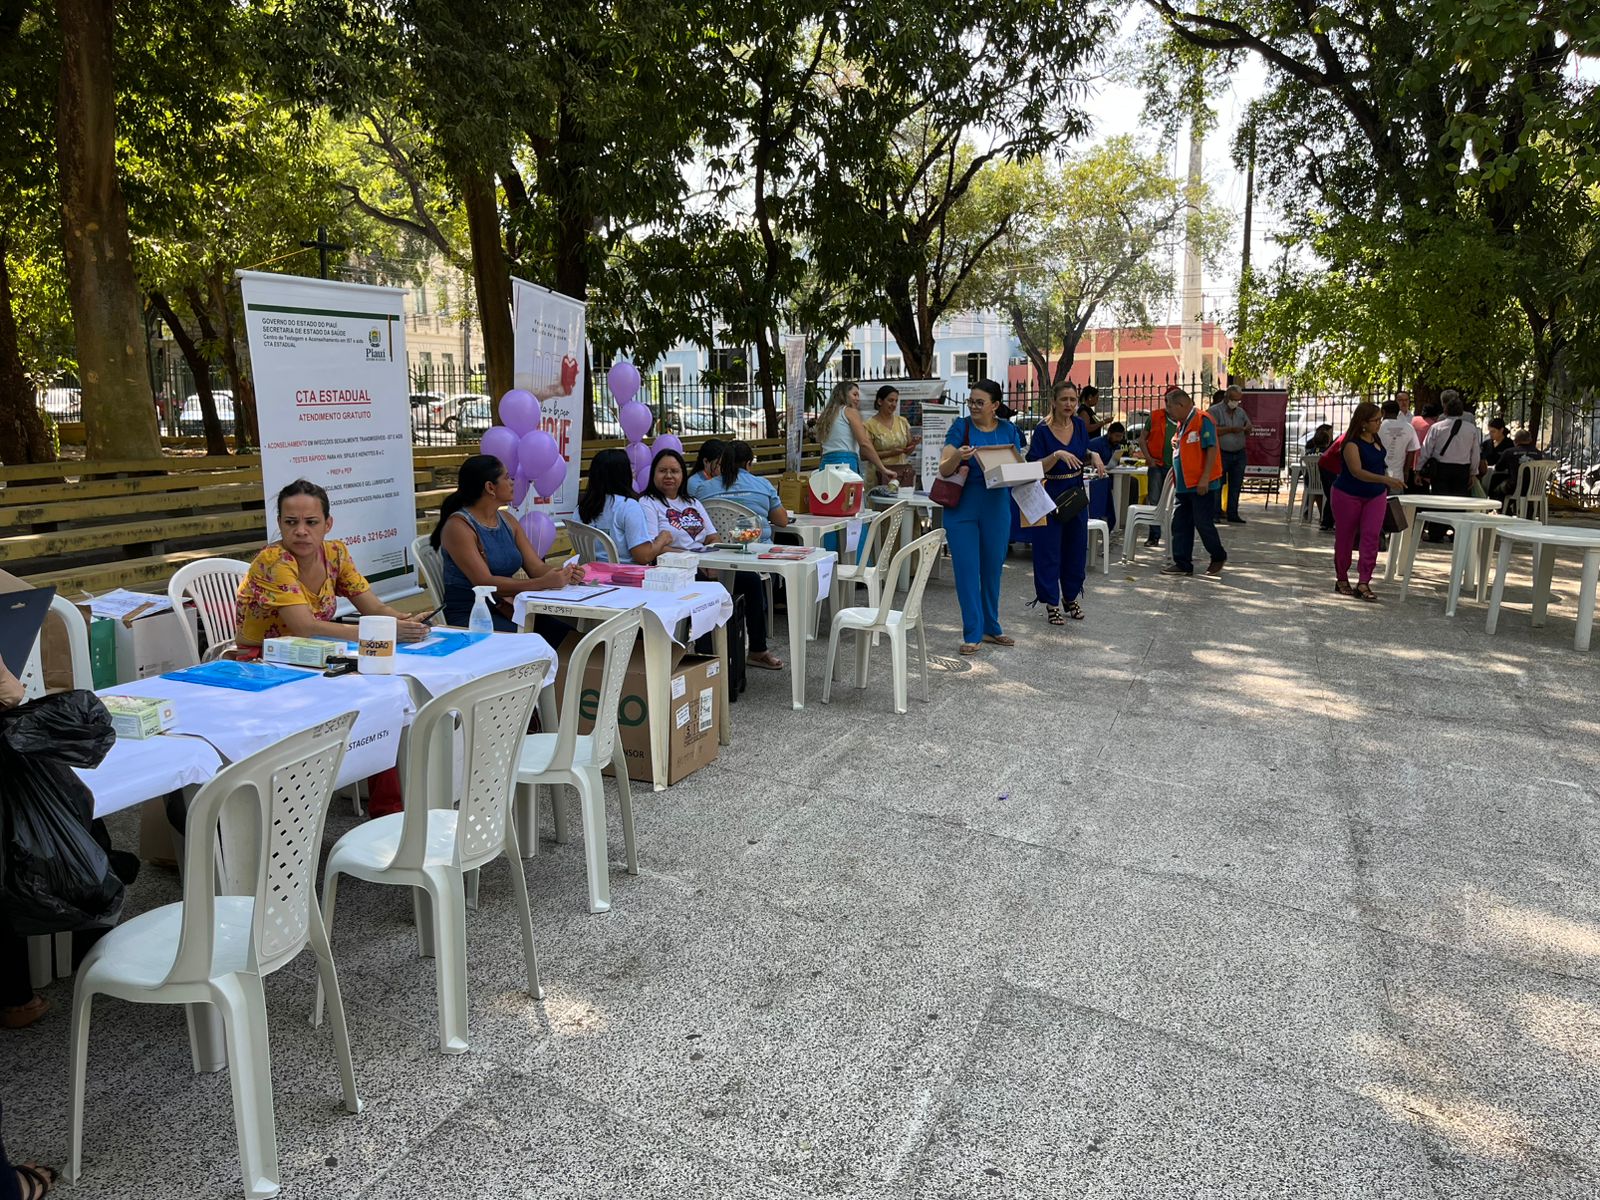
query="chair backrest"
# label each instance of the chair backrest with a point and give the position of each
(589, 542)
(883, 536)
(1533, 478)
(32, 678)
(616, 635)
(430, 565)
(285, 788)
(492, 714)
(726, 514)
(922, 554)
(212, 584)
(1169, 497)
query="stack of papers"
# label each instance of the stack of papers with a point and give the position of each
(123, 603)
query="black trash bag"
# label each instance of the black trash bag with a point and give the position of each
(54, 875)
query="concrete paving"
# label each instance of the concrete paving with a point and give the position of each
(1236, 889)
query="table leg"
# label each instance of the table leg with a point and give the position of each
(719, 641)
(1458, 552)
(1544, 569)
(658, 692)
(1485, 560)
(1294, 486)
(801, 583)
(1502, 569)
(1586, 590)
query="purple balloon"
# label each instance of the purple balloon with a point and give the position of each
(519, 489)
(536, 452)
(502, 443)
(541, 530)
(667, 441)
(641, 480)
(548, 482)
(519, 411)
(623, 379)
(635, 420)
(638, 457)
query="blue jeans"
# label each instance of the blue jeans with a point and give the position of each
(1195, 512)
(1233, 476)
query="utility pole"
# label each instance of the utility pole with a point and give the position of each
(1193, 297)
(322, 245)
(1249, 212)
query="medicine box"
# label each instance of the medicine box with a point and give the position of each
(301, 651)
(139, 717)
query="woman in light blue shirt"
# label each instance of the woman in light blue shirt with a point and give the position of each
(736, 483)
(608, 503)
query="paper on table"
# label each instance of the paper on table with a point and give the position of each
(1033, 502)
(119, 603)
(573, 593)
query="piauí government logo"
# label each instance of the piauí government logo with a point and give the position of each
(374, 336)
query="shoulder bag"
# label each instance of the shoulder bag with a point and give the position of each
(947, 490)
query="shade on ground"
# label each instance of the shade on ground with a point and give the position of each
(1237, 888)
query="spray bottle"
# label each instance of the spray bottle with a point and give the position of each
(481, 621)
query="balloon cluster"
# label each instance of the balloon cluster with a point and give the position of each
(635, 419)
(532, 457)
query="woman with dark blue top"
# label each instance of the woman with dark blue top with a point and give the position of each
(480, 545)
(1359, 498)
(1061, 547)
(978, 529)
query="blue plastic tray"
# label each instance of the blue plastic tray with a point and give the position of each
(240, 676)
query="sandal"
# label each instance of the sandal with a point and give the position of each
(765, 661)
(1364, 590)
(969, 647)
(23, 1015)
(1074, 610)
(1053, 615)
(1343, 588)
(999, 639)
(33, 1181)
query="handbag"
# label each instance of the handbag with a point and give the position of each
(947, 490)
(1396, 517)
(1073, 501)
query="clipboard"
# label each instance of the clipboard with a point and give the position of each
(22, 617)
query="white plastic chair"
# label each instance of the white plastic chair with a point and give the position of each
(430, 566)
(879, 540)
(577, 760)
(1307, 472)
(897, 623)
(726, 514)
(588, 542)
(212, 585)
(1159, 515)
(1100, 542)
(1531, 496)
(442, 834)
(215, 949)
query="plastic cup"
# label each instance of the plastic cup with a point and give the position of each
(376, 638)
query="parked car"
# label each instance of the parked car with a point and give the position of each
(471, 417)
(454, 409)
(744, 422)
(62, 403)
(190, 421)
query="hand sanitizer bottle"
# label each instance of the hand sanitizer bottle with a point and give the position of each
(481, 621)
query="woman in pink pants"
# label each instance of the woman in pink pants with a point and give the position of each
(1360, 497)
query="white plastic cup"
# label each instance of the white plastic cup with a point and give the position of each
(376, 640)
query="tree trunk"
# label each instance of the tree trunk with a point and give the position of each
(23, 437)
(491, 278)
(769, 399)
(246, 431)
(574, 223)
(208, 342)
(200, 369)
(119, 413)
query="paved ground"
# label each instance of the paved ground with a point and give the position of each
(1236, 889)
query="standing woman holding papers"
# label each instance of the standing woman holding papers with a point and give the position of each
(1061, 547)
(294, 585)
(978, 529)
(481, 546)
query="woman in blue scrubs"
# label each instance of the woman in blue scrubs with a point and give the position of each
(979, 528)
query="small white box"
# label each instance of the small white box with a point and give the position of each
(668, 579)
(301, 651)
(139, 717)
(679, 560)
(1004, 467)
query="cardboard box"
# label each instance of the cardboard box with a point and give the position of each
(302, 651)
(692, 734)
(1004, 466)
(140, 717)
(152, 645)
(157, 844)
(794, 490)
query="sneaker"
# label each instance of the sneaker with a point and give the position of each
(1152, 541)
(1175, 569)
(1215, 568)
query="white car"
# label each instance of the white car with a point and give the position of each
(746, 423)
(62, 403)
(190, 421)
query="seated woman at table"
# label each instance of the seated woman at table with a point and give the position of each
(685, 524)
(293, 586)
(608, 503)
(707, 466)
(735, 482)
(480, 545)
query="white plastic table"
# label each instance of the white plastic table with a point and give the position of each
(1545, 541)
(705, 607)
(140, 770)
(1122, 485)
(1469, 553)
(1404, 548)
(807, 581)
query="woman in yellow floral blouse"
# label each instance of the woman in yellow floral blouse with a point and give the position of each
(890, 432)
(294, 584)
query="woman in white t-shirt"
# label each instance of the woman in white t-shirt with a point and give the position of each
(668, 506)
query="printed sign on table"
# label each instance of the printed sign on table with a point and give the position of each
(332, 397)
(549, 360)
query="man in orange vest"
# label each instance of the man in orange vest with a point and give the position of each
(1197, 474)
(1158, 457)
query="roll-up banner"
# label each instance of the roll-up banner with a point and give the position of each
(549, 360)
(329, 361)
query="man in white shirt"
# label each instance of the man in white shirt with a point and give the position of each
(1452, 455)
(1399, 440)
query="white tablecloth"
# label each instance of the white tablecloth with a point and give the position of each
(706, 605)
(238, 724)
(823, 560)
(135, 771)
(496, 652)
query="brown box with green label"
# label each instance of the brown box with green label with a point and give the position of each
(692, 731)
